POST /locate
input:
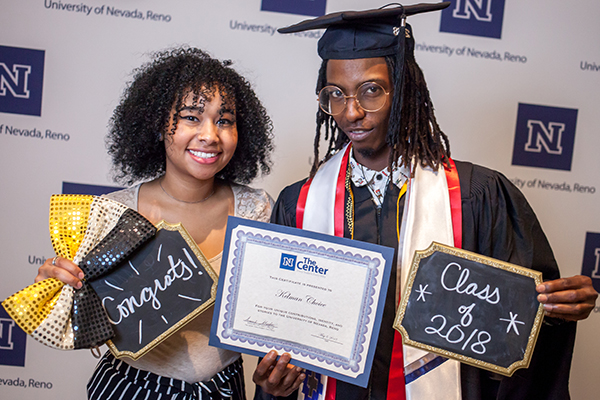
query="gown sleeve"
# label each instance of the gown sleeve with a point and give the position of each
(284, 213)
(498, 222)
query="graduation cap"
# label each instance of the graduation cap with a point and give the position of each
(368, 34)
(364, 34)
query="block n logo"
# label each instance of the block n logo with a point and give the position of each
(15, 81)
(542, 137)
(21, 80)
(288, 261)
(12, 341)
(481, 10)
(545, 137)
(474, 17)
(6, 331)
(314, 8)
(591, 259)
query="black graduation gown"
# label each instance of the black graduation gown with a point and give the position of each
(497, 222)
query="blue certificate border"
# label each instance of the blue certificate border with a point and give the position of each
(227, 295)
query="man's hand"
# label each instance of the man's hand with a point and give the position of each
(278, 377)
(572, 299)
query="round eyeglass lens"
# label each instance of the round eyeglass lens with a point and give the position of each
(371, 96)
(332, 100)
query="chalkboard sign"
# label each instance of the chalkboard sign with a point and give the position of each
(161, 287)
(472, 308)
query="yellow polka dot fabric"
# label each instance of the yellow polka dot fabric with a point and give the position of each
(56, 330)
(78, 223)
(69, 215)
(30, 306)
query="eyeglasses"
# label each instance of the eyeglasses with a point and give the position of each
(370, 97)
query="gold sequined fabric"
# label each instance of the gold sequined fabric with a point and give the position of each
(68, 222)
(97, 234)
(30, 306)
(56, 330)
(66, 215)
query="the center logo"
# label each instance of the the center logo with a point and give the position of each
(305, 264)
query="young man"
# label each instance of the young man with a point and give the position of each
(387, 178)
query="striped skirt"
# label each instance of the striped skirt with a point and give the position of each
(114, 379)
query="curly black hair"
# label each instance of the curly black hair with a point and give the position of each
(141, 120)
(413, 131)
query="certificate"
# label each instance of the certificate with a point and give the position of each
(318, 297)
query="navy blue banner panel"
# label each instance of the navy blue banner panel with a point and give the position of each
(21, 80)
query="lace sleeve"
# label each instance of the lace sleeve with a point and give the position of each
(127, 196)
(255, 204)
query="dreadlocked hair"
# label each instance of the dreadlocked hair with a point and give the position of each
(413, 132)
(140, 124)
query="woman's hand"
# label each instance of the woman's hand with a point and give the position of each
(278, 377)
(62, 269)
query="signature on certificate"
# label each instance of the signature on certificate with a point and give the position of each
(327, 338)
(265, 325)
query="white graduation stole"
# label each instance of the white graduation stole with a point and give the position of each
(426, 218)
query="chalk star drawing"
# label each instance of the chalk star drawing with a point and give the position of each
(422, 292)
(512, 322)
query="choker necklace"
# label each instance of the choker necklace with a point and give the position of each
(183, 201)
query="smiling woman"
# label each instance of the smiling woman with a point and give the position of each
(192, 131)
(204, 138)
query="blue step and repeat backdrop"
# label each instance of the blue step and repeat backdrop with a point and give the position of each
(515, 85)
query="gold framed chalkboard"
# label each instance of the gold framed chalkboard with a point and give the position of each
(157, 290)
(475, 309)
